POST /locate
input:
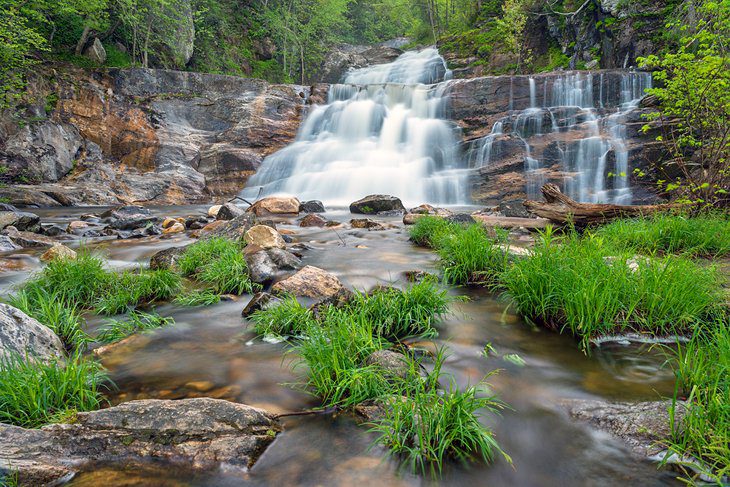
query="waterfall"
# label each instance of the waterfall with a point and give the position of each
(577, 135)
(382, 131)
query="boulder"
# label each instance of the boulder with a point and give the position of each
(213, 210)
(261, 268)
(176, 227)
(229, 211)
(393, 364)
(28, 239)
(311, 282)
(24, 336)
(77, 225)
(196, 222)
(166, 259)
(313, 206)
(96, 52)
(233, 229)
(149, 230)
(460, 218)
(196, 434)
(168, 222)
(7, 245)
(21, 220)
(275, 205)
(284, 260)
(312, 220)
(58, 251)
(264, 237)
(51, 230)
(377, 203)
(258, 302)
(366, 223)
(129, 217)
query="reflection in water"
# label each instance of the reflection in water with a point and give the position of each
(211, 352)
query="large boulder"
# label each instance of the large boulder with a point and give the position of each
(24, 336)
(377, 203)
(312, 206)
(310, 282)
(229, 211)
(196, 434)
(166, 259)
(265, 266)
(21, 220)
(275, 205)
(264, 237)
(96, 52)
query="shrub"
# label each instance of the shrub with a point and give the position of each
(137, 321)
(220, 263)
(33, 393)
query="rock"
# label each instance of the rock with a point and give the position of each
(275, 205)
(213, 210)
(313, 206)
(150, 230)
(125, 212)
(640, 424)
(393, 364)
(21, 220)
(233, 229)
(377, 203)
(284, 260)
(51, 230)
(366, 223)
(96, 52)
(58, 251)
(129, 217)
(311, 282)
(258, 302)
(196, 222)
(312, 220)
(7, 245)
(514, 208)
(175, 33)
(166, 259)
(229, 211)
(197, 434)
(168, 222)
(176, 227)
(264, 237)
(75, 226)
(261, 268)
(460, 218)
(22, 335)
(28, 239)
(412, 218)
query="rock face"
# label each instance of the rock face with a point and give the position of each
(310, 282)
(344, 57)
(200, 434)
(22, 335)
(377, 203)
(144, 135)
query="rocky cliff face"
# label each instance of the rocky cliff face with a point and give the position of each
(146, 136)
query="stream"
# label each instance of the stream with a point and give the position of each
(211, 351)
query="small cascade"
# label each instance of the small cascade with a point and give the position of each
(576, 136)
(381, 131)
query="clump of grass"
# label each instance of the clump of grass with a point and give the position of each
(705, 235)
(703, 377)
(429, 426)
(65, 320)
(590, 289)
(218, 262)
(429, 230)
(288, 318)
(133, 288)
(198, 297)
(33, 393)
(137, 322)
(9, 477)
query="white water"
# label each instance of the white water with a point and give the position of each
(381, 132)
(589, 135)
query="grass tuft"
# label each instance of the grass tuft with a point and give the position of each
(136, 322)
(288, 318)
(198, 297)
(220, 263)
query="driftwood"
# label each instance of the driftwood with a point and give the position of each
(560, 208)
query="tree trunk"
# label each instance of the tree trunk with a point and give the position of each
(562, 209)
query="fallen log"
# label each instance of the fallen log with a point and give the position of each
(560, 208)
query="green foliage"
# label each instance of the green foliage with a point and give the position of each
(429, 230)
(33, 394)
(288, 318)
(218, 262)
(592, 289)
(136, 322)
(9, 477)
(706, 235)
(703, 378)
(130, 289)
(198, 297)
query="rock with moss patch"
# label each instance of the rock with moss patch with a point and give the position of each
(377, 203)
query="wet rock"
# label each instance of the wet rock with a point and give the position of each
(166, 259)
(639, 424)
(312, 220)
(213, 210)
(461, 218)
(200, 434)
(129, 217)
(58, 251)
(28, 239)
(514, 208)
(233, 229)
(261, 268)
(75, 226)
(313, 206)
(275, 205)
(176, 227)
(168, 222)
(7, 245)
(22, 335)
(393, 364)
(229, 211)
(377, 203)
(196, 222)
(51, 230)
(22, 220)
(366, 223)
(284, 260)
(339, 299)
(412, 218)
(311, 282)
(258, 302)
(264, 237)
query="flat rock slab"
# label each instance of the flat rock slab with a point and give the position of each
(638, 424)
(198, 434)
(510, 222)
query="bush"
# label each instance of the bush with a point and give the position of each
(137, 321)
(33, 394)
(220, 263)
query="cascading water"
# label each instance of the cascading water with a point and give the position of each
(578, 126)
(382, 131)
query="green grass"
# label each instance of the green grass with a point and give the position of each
(9, 477)
(198, 297)
(133, 288)
(705, 235)
(703, 377)
(65, 321)
(428, 230)
(33, 394)
(589, 289)
(136, 322)
(218, 262)
(288, 318)
(429, 427)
